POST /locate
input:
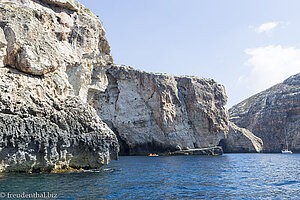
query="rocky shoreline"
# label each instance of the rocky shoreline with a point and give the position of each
(64, 104)
(45, 122)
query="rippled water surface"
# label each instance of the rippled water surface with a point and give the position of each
(230, 176)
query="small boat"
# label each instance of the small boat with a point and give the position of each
(153, 154)
(286, 151)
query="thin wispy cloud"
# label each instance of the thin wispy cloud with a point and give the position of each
(268, 66)
(267, 27)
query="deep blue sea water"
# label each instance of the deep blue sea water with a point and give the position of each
(229, 176)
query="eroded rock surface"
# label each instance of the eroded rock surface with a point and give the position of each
(44, 126)
(48, 50)
(43, 36)
(54, 58)
(157, 112)
(273, 115)
(241, 140)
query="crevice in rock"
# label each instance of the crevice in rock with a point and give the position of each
(182, 97)
(124, 147)
(112, 84)
(56, 6)
(3, 24)
(223, 144)
(8, 112)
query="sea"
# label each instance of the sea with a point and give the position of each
(227, 176)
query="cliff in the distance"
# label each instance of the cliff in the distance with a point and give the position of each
(273, 115)
(48, 52)
(159, 113)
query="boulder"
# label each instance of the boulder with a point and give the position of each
(43, 36)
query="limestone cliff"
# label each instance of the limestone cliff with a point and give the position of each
(54, 59)
(48, 51)
(273, 115)
(241, 140)
(159, 113)
(42, 36)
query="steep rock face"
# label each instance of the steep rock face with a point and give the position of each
(240, 140)
(43, 36)
(43, 126)
(156, 112)
(48, 52)
(273, 115)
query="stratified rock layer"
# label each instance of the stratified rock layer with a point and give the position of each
(240, 140)
(156, 112)
(48, 50)
(273, 115)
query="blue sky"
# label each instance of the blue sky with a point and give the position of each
(246, 45)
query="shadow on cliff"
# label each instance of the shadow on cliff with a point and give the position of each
(14, 70)
(141, 148)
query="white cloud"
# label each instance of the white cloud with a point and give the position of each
(268, 66)
(267, 27)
